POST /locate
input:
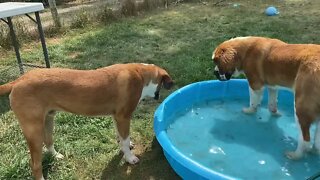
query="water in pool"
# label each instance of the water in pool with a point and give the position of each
(219, 136)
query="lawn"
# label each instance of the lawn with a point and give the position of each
(180, 39)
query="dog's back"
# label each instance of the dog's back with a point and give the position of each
(86, 92)
(265, 57)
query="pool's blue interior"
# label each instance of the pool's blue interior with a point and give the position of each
(205, 135)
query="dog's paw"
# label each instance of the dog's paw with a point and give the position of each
(249, 110)
(276, 114)
(54, 153)
(274, 111)
(315, 151)
(58, 155)
(131, 145)
(132, 159)
(293, 155)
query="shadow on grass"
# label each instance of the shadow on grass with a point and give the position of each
(4, 104)
(47, 163)
(152, 165)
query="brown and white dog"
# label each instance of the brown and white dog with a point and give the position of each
(274, 63)
(114, 90)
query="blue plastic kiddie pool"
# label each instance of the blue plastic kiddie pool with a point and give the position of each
(205, 135)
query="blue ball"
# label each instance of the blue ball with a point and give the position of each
(271, 11)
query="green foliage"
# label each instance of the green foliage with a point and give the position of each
(21, 30)
(107, 15)
(80, 20)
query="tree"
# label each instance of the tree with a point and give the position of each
(54, 13)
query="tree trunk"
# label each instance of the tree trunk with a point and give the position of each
(54, 13)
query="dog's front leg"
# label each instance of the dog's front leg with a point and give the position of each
(118, 136)
(273, 100)
(123, 128)
(125, 148)
(131, 143)
(255, 100)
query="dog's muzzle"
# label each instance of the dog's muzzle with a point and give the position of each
(156, 95)
(222, 77)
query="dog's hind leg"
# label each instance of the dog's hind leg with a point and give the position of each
(32, 128)
(123, 128)
(31, 116)
(306, 107)
(316, 146)
(304, 118)
(48, 135)
(255, 100)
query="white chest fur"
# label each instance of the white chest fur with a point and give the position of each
(149, 90)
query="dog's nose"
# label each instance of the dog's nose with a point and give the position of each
(222, 77)
(219, 76)
(168, 85)
(156, 95)
(228, 76)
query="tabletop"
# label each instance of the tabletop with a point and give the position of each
(9, 9)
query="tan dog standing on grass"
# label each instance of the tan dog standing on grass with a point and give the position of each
(274, 63)
(114, 90)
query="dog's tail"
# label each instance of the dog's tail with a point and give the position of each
(6, 88)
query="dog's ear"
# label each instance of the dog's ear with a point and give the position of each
(228, 55)
(167, 81)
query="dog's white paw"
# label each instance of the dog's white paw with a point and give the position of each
(55, 153)
(132, 159)
(294, 155)
(276, 114)
(58, 155)
(249, 110)
(131, 145)
(273, 110)
(315, 151)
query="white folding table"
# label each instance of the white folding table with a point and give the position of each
(10, 9)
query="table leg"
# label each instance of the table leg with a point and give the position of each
(15, 45)
(43, 43)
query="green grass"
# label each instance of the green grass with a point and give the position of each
(180, 39)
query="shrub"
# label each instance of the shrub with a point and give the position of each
(80, 20)
(107, 14)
